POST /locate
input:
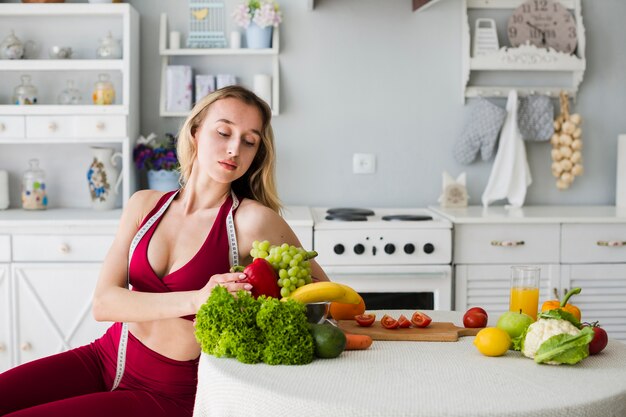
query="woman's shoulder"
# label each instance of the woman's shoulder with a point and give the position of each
(252, 213)
(142, 202)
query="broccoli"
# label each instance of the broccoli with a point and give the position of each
(254, 330)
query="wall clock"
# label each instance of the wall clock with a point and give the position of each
(543, 23)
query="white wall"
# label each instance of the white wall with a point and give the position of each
(372, 76)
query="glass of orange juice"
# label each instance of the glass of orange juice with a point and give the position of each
(525, 290)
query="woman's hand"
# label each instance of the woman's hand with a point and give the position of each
(231, 281)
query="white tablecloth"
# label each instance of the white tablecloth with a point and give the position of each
(416, 379)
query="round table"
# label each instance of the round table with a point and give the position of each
(416, 379)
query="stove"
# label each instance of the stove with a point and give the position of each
(381, 236)
(401, 256)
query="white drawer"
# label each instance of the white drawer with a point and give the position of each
(5, 248)
(101, 126)
(506, 243)
(593, 243)
(11, 127)
(61, 247)
(49, 126)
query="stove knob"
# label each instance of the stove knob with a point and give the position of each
(429, 248)
(409, 248)
(359, 249)
(390, 248)
(339, 249)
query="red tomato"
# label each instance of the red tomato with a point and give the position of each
(403, 322)
(420, 319)
(389, 322)
(600, 339)
(478, 310)
(365, 320)
(474, 319)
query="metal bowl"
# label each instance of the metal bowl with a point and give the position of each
(60, 52)
(317, 312)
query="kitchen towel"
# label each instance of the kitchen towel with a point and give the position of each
(480, 132)
(620, 192)
(263, 87)
(510, 174)
(536, 118)
(205, 85)
(4, 190)
(178, 82)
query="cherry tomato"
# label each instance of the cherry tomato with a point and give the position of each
(600, 339)
(365, 320)
(389, 322)
(478, 310)
(420, 319)
(474, 319)
(403, 322)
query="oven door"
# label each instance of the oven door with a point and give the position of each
(398, 286)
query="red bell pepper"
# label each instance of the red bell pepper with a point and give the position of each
(263, 278)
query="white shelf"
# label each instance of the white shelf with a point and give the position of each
(213, 53)
(82, 140)
(58, 109)
(81, 25)
(524, 58)
(62, 65)
(310, 5)
(65, 215)
(218, 51)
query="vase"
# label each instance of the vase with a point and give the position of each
(163, 180)
(258, 37)
(103, 178)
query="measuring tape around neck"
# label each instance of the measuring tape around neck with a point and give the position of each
(233, 258)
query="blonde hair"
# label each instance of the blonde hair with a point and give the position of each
(258, 183)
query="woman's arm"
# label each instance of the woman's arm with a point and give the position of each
(257, 222)
(112, 301)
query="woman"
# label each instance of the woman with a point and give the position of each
(183, 249)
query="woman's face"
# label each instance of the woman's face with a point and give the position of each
(228, 140)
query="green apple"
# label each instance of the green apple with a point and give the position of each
(514, 323)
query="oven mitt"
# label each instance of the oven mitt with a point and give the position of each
(535, 118)
(480, 132)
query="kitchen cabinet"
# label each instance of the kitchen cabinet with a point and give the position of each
(48, 271)
(537, 70)
(574, 247)
(53, 308)
(5, 317)
(68, 131)
(241, 62)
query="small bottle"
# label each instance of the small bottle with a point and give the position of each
(104, 92)
(34, 195)
(25, 93)
(70, 95)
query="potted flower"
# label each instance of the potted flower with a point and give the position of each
(160, 160)
(258, 17)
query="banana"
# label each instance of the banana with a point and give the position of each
(350, 296)
(325, 291)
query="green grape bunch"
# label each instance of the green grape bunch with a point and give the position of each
(291, 263)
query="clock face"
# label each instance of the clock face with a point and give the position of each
(544, 23)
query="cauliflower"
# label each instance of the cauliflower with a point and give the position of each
(542, 330)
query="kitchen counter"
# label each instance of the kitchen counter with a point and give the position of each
(416, 379)
(533, 214)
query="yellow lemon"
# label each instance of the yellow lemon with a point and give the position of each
(492, 341)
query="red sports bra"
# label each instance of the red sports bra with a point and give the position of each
(211, 259)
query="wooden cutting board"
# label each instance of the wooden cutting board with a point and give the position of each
(435, 332)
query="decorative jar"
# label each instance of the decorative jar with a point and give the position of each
(25, 93)
(34, 195)
(258, 37)
(104, 92)
(103, 178)
(70, 95)
(110, 48)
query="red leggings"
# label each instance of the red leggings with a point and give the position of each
(78, 383)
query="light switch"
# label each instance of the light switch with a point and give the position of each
(364, 163)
